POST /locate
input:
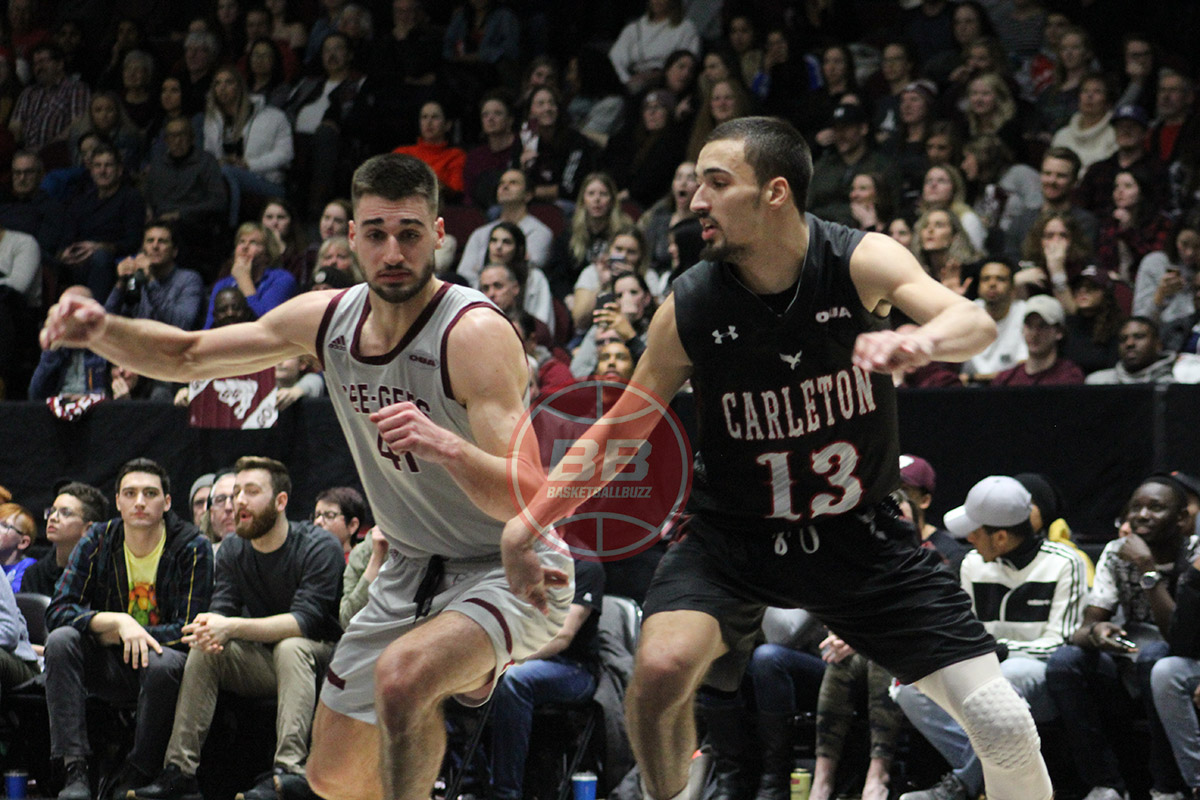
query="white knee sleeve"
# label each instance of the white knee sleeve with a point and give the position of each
(1001, 729)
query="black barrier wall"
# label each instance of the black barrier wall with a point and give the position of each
(1094, 443)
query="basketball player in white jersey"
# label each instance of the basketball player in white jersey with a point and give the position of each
(428, 381)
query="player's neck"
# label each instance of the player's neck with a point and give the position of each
(774, 266)
(388, 323)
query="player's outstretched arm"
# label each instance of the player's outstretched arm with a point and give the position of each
(662, 371)
(950, 327)
(165, 352)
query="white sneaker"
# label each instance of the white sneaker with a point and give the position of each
(1105, 793)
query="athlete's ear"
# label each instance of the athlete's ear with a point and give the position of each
(440, 228)
(778, 191)
(350, 234)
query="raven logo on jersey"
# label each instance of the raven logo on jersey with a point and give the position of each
(833, 313)
(730, 334)
(791, 361)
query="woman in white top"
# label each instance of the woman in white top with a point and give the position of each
(1090, 132)
(644, 44)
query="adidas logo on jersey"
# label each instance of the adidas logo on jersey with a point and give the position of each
(338, 344)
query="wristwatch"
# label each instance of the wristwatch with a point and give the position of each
(1150, 579)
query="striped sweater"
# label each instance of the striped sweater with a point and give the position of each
(1031, 599)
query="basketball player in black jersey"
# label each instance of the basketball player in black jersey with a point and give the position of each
(780, 333)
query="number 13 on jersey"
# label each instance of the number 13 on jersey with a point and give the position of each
(835, 462)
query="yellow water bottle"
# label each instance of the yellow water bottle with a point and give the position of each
(801, 784)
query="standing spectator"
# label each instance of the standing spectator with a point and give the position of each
(151, 286)
(252, 141)
(76, 507)
(1093, 326)
(1162, 291)
(1089, 134)
(45, 110)
(18, 530)
(643, 45)
(1135, 228)
(434, 148)
(255, 272)
(499, 150)
(270, 632)
(116, 624)
(1042, 331)
(1129, 125)
(101, 225)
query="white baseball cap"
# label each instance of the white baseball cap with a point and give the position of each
(1047, 307)
(997, 501)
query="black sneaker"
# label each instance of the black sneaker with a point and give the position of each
(78, 785)
(171, 784)
(948, 788)
(265, 788)
(294, 786)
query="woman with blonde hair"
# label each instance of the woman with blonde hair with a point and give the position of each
(942, 247)
(597, 215)
(254, 270)
(945, 188)
(728, 99)
(335, 253)
(991, 108)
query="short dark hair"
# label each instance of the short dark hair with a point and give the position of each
(1178, 491)
(394, 176)
(350, 501)
(95, 504)
(104, 148)
(281, 481)
(158, 222)
(1149, 323)
(773, 149)
(144, 465)
(1065, 154)
(1022, 530)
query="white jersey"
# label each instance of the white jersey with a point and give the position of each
(421, 510)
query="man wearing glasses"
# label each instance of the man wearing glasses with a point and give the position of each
(76, 507)
(342, 511)
(221, 519)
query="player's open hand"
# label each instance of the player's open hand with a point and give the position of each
(527, 577)
(901, 350)
(76, 320)
(407, 429)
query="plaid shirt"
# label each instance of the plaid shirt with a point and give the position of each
(96, 579)
(1141, 240)
(45, 113)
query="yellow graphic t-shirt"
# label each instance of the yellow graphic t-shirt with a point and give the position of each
(143, 604)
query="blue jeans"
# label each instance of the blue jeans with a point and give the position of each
(240, 180)
(1173, 680)
(1027, 676)
(786, 681)
(523, 687)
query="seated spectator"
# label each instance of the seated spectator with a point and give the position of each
(628, 316)
(201, 56)
(1059, 177)
(170, 107)
(407, 54)
(45, 109)
(726, 100)
(252, 271)
(1173, 683)
(998, 189)
(1089, 134)
(28, 208)
(106, 117)
(553, 153)
(1188, 330)
(252, 141)
(1093, 675)
(943, 249)
(1047, 513)
(625, 253)
(834, 171)
(1058, 102)
(836, 85)
(521, 286)
(901, 230)
(222, 514)
(496, 154)
(640, 157)
(906, 143)
(918, 481)
(1141, 360)
(343, 512)
(1043, 331)
(1135, 228)
(597, 216)
(76, 507)
(116, 622)
(1162, 291)
(666, 213)
(184, 186)
(267, 67)
(280, 220)
(742, 39)
(336, 254)
(198, 498)
(269, 632)
(870, 201)
(151, 286)
(481, 48)
(334, 221)
(18, 658)
(943, 144)
(101, 226)
(20, 273)
(1055, 252)
(69, 374)
(1129, 124)
(997, 295)
(1093, 327)
(322, 27)
(18, 530)
(992, 109)
(944, 188)
(549, 365)
(433, 147)
(512, 195)
(362, 568)
(639, 53)
(296, 378)
(1028, 592)
(884, 90)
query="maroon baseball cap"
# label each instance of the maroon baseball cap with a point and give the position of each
(916, 471)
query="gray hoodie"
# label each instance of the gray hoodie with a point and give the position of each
(1159, 371)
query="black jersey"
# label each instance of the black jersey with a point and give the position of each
(789, 431)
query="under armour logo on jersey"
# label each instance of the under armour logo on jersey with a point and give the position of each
(833, 313)
(338, 344)
(791, 361)
(730, 334)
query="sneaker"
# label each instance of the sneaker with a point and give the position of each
(264, 789)
(78, 784)
(948, 788)
(294, 786)
(1105, 793)
(171, 784)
